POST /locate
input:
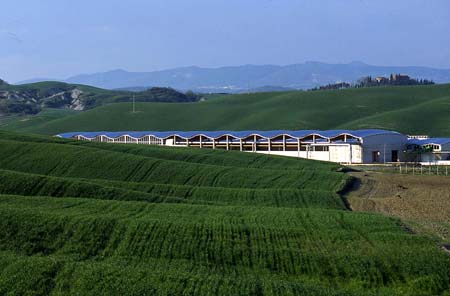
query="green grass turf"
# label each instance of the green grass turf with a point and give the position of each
(410, 109)
(82, 218)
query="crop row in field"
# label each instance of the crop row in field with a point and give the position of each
(338, 249)
(219, 157)
(62, 275)
(85, 162)
(18, 183)
(38, 185)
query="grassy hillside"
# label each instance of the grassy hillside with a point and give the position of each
(98, 94)
(33, 98)
(416, 109)
(17, 122)
(102, 219)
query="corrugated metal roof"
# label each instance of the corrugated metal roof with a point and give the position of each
(238, 134)
(430, 141)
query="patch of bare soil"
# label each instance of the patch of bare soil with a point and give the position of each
(420, 201)
(406, 196)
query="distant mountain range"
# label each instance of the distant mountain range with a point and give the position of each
(241, 78)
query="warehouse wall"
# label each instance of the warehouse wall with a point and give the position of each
(383, 145)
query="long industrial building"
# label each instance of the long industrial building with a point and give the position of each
(342, 146)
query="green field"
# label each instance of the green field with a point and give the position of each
(412, 110)
(17, 122)
(81, 218)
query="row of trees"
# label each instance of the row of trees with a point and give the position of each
(339, 85)
(394, 79)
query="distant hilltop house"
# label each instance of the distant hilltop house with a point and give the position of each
(341, 146)
(381, 80)
(399, 78)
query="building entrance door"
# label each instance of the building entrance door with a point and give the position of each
(375, 156)
(394, 155)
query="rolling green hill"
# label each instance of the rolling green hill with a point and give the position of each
(415, 110)
(32, 98)
(81, 218)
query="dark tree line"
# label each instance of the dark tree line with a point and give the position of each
(369, 81)
(340, 85)
(394, 79)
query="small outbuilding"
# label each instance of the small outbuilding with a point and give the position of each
(431, 150)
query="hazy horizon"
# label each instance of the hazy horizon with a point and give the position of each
(213, 67)
(56, 39)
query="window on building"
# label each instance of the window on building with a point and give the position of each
(321, 148)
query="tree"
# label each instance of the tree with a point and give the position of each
(191, 95)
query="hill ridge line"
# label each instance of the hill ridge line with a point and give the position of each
(394, 111)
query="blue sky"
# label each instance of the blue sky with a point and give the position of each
(61, 38)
